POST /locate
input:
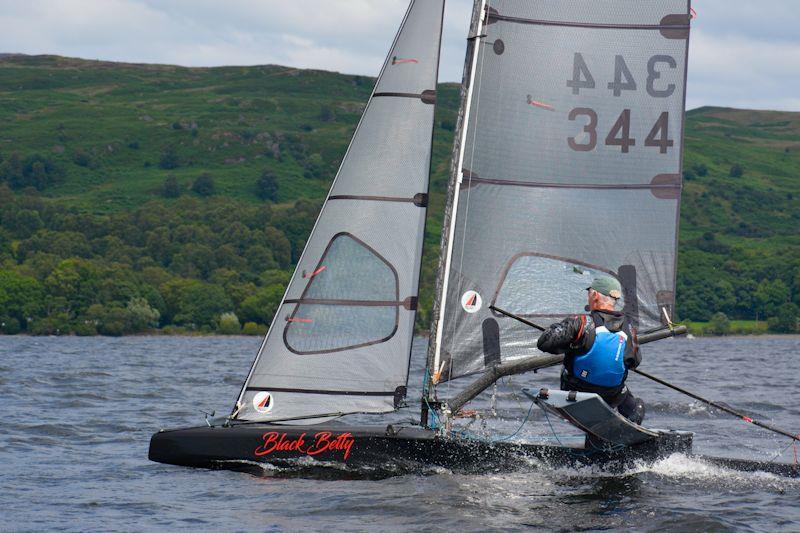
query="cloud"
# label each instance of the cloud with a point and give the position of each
(740, 71)
(743, 54)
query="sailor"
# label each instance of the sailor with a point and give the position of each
(599, 349)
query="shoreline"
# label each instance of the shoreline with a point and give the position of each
(748, 336)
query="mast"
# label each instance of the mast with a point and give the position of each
(456, 166)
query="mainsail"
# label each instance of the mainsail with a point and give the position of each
(569, 166)
(340, 341)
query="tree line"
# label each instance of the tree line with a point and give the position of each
(192, 261)
(189, 264)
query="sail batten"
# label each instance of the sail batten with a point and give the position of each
(674, 25)
(340, 341)
(570, 167)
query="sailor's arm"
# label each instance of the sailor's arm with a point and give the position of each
(564, 335)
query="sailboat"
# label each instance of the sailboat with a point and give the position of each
(566, 165)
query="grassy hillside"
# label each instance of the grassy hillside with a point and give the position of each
(740, 218)
(87, 147)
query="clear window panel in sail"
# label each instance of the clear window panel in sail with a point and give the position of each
(534, 284)
(350, 301)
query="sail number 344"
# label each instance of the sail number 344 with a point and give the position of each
(619, 135)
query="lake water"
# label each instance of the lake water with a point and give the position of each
(79, 413)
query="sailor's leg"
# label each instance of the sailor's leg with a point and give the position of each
(565, 385)
(630, 406)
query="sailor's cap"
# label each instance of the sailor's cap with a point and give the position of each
(607, 286)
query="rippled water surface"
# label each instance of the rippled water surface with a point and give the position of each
(79, 413)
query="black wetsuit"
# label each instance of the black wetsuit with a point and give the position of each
(574, 336)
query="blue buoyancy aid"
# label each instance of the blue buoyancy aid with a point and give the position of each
(604, 364)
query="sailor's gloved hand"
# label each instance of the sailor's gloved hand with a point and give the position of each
(562, 335)
(633, 355)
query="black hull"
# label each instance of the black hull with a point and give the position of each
(379, 451)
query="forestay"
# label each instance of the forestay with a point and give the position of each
(340, 341)
(571, 168)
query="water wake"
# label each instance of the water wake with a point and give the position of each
(688, 468)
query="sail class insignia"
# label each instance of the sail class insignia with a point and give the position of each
(263, 402)
(471, 301)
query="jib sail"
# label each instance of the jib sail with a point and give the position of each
(569, 167)
(341, 339)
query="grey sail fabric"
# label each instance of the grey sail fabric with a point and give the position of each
(571, 169)
(340, 341)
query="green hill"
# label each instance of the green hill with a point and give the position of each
(106, 227)
(740, 217)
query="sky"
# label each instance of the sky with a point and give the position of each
(743, 53)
